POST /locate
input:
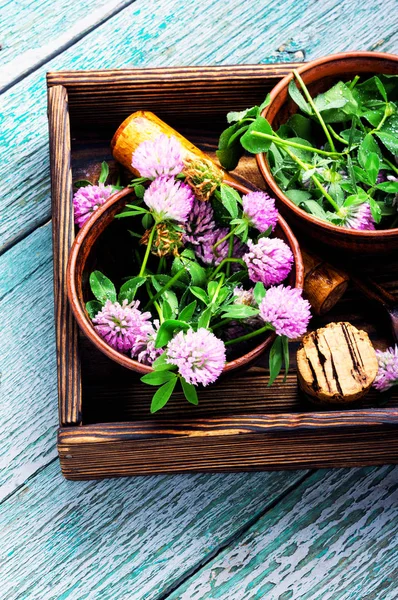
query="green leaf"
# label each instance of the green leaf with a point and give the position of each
(102, 287)
(391, 187)
(336, 104)
(189, 391)
(275, 359)
(259, 292)
(166, 331)
(229, 155)
(256, 144)
(104, 172)
(212, 288)
(160, 364)
(147, 221)
(240, 311)
(297, 196)
(264, 103)
(286, 356)
(196, 272)
(235, 138)
(372, 167)
(374, 116)
(368, 146)
(201, 294)
(315, 209)
(139, 190)
(230, 199)
(158, 377)
(93, 307)
(81, 183)
(162, 395)
(375, 210)
(381, 88)
(389, 140)
(187, 313)
(169, 304)
(205, 317)
(235, 116)
(298, 98)
(129, 289)
(302, 126)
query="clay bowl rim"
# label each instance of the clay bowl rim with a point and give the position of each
(266, 171)
(84, 321)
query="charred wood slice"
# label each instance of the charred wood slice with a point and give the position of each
(336, 364)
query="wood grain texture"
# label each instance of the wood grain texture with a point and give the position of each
(29, 40)
(123, 539)
(93, 453)
(333, 538)
(69, 379)
(267, 32)
(28, 407)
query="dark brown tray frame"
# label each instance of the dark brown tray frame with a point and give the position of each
(230, 442)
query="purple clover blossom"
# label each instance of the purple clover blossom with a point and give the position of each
(157, 157)
(199, 356)
(259, 208)
(359, 217)
(213, 257)
(286, 310)
(269, 261)
(120, 325)
(87, 199)
(387, 375)
(169, 199)
(200, 223)
(143, 348)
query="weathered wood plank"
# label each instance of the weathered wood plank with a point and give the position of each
(214, 33)
(30, 40)
(28, 407)
(66, 329)
(333, 538)
(123, 539)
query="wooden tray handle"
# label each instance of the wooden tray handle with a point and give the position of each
(324, 284)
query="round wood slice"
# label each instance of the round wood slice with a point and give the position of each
(336, 364)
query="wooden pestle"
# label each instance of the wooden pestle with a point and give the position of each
(323, 285)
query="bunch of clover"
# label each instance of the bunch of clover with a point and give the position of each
(210, 276)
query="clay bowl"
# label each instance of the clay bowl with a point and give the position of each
(91, 249)
(319, 75)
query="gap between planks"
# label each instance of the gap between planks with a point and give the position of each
(233, 539)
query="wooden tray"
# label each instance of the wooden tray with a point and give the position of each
(240, 424)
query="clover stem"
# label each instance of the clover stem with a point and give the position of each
(391, 165)
(226, 237)
(221, 323)
(314, 108)
(164, 288)
(385, 116)
(230, 250)
(281, 142)
(147, 253)
(337, 136)
(156, 305)
(248, 336)
(315, 180)
(224, 262)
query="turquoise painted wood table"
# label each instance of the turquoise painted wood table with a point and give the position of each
(325, 535)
